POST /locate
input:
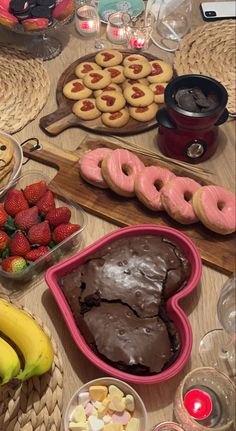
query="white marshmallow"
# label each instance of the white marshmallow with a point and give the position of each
(84, 398)
(95, 424)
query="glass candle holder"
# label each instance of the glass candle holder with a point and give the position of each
(116, 28)
(167, 426)
(204, 400)
(138, 35)
(87, 21)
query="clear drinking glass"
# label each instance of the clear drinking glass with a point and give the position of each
(87, 22)
(171, 21)
(116, 28)
(217, 347)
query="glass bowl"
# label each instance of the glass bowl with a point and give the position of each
(61, 250)
(41, 43)
(139, 412)
(173, 309)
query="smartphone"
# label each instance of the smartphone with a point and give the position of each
(218, 10)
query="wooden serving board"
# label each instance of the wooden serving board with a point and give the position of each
(216, 250)
(63, 117)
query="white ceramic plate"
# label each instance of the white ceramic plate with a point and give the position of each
(18, 155)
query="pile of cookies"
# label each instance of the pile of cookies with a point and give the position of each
(117, 87)
(7, 160)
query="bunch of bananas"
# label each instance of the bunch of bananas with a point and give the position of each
(35, 346)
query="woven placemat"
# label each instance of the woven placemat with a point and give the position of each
(24, 88)
(37, 404)
(211, 50)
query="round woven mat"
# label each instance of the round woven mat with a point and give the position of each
(24, 88)
(211, 50)
(37, 404)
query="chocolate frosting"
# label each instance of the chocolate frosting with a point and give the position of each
(124, 338)
(135, 271)
(117, 296)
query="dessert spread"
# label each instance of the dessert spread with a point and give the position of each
(117, 298)
(103, 408)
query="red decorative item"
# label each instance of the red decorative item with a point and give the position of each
(191, 136)
(136, 43)
(198, 403)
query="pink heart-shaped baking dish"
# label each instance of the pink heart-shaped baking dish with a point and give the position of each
(173, 308)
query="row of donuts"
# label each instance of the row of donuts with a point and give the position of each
(136, 82)
(184, 199)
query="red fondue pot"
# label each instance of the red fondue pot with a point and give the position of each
(191, 136)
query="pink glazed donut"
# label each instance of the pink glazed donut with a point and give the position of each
(90, 167)
(148, 185)
(177, 197)
(120, 169)
(216, 208)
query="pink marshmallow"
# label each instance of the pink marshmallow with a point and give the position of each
(88, 409)
(121, 418)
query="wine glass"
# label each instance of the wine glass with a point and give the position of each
(217, 347)
(171, 21)
(87, 22)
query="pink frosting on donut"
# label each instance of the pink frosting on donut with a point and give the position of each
(63, 9)
(122, 167)
(149, 183)
(177, 199)
(4, 4)
(219, 207)
(90, 166)
(7, 18)
(35, 23)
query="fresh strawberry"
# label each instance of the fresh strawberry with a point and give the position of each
(4, 240)
(15, 202)
(36, 253)
(46, 203)
(58, 216)
(64, 230)
(35, 191)
(27, 218)
(40, 233)
(19, 245)
(14, 264)
(3, 216)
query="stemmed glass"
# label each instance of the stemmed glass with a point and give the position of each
(88, 22)
(171, 21)
(217, 347)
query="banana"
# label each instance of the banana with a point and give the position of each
(9, 362)
(28, 336)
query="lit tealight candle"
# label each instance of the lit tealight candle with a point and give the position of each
(198, 403)
(86, 21)
(137, 43)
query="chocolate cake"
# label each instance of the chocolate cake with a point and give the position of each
(117, 298)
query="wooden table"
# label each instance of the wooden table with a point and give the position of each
(200, 306)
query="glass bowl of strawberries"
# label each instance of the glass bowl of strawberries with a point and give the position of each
(38, 227)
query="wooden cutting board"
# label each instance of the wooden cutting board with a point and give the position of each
(63, 117)
(216, 250)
